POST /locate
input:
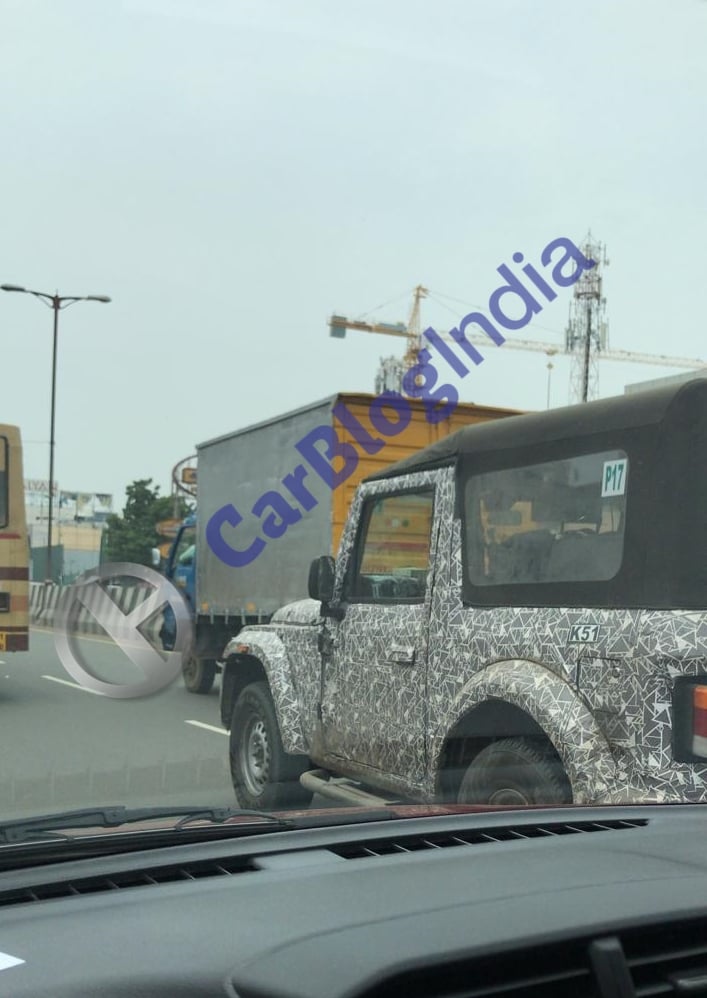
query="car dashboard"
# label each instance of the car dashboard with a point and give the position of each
(569, 901)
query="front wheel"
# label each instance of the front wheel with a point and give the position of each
(515, 771)
(198, 674)
(264, 775)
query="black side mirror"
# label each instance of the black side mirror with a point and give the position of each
(321, 579)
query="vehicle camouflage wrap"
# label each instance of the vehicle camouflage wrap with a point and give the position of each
(599, 681)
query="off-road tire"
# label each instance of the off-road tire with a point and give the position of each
(264, 775)
(515, 772)
(199, 674)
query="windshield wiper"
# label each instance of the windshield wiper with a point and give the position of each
(44, 826)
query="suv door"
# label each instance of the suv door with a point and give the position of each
(374, 683)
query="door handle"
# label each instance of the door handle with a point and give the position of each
(402, 654)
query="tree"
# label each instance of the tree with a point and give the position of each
(132, 536)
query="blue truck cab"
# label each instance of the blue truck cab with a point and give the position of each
(181, 563)
(198, 672)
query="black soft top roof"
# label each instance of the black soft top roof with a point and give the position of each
(568, 423)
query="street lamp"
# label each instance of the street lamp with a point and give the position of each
(56, 303)
(550, 365)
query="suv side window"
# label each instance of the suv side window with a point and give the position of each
(393, 549)
(556, 522)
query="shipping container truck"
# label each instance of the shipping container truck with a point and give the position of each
(274, 495)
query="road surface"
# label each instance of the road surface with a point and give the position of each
(62, 746)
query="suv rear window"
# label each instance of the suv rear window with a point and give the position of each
(560, 521)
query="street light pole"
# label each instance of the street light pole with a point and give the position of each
(550, 365)
(55, 306)
(56, 302)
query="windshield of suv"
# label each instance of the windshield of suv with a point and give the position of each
(422, 526)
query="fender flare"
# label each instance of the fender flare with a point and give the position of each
(268, 649)
(549, 700)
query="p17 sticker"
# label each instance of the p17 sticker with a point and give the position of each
(613, 478)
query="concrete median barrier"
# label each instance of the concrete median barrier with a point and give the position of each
(46, 598)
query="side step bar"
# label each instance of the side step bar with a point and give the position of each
(318, 781)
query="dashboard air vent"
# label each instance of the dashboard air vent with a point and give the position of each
(668, 959)
(555, 971)
(474, 837)
(150, 877)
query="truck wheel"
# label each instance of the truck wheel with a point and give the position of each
(199, 674)
(515, 771)
(264, 775)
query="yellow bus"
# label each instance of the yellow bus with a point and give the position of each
(14, 549)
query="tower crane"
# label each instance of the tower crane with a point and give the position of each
(392, 369)
(583, 341)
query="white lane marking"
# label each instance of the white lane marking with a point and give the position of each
(79, 635)
(207, 727)
(7, 961)
(75, 686)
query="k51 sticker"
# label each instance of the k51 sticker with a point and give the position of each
(582, 634)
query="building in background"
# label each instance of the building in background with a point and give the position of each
(78, 524)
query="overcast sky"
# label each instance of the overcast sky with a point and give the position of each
(231, 172)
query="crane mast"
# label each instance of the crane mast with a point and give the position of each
(392, 370)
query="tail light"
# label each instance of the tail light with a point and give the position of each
(690, 719)
(699, 720)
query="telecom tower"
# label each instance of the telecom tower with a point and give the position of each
(587, 330)
(390, 374)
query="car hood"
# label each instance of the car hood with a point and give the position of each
(303, 611)
(314, 815)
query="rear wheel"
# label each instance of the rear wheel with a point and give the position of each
(263, 774)
(199, 674)
(515, 771)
